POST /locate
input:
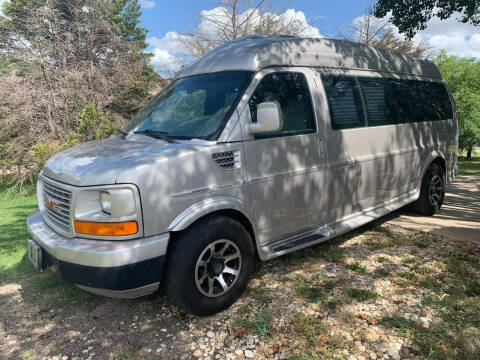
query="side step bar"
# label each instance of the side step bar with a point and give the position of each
(320, 234)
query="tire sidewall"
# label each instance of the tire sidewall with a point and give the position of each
(433, 169)
(196, 240)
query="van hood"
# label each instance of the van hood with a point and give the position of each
(100, 162)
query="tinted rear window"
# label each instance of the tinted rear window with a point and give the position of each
(344, 101)
(385, 101)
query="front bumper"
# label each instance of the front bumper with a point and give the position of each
(123, 268)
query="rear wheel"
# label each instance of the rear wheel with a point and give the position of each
(209, 265)
(432, 191)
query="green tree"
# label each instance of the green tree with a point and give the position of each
(126, 14)
(463, 77)
(73, 66)
(411, 16)
(379, 32)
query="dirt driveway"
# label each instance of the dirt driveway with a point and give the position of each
(380, 292)
(384, 291)
(459, 217)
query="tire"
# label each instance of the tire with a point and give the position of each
(192, 263)
(432, 191)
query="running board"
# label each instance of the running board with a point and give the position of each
(293, 241)
(323, 233)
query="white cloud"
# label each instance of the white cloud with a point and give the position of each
(450, 34)
(165, 61)
(147, 4)
(298, 16)
(455, 37)
(169, 52)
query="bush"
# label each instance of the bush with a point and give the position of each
(41, 152)
(93, 125)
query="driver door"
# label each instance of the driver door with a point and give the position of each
(285, 169)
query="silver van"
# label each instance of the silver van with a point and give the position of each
(262, 147)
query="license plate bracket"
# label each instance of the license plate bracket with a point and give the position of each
(35, 255)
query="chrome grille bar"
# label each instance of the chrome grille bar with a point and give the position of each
(57, 207)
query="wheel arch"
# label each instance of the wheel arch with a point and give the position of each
(228, 206)
(434, 157)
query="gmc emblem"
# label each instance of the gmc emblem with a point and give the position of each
(51, 204)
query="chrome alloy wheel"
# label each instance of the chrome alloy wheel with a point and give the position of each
(218, 268)
(435, 191)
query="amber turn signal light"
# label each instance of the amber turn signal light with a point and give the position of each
(106, 229)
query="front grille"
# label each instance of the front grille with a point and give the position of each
(57, 207)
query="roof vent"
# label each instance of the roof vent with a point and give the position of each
(228, 159)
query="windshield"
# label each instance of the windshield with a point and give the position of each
(192, 107)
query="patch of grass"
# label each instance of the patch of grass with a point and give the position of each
(429, 282)
(28, 355)
(408, 275)
(468, 167)
(307, 326)
(408, 259)
(14, 210)
(330, 303)
(423, 241)
(361, 294)
(244, 309)
(128, 354)
(313, 291)
(460, 262)
(357, 267)
(261, 323)
(447, 340)
(400, 323)
(308, 330)
(332, 252)
(458, 305)
(381, 272)
(310, 292)
(261, 294)
(472, 288)
(381, 238)
(382, 259)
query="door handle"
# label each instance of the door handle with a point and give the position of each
(321, 148)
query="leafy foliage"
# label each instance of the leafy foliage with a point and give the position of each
(379, 32)
(71, 72)
(463, 77)
(411, 16)
(93, 126)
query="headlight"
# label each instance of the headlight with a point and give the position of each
(106, 202)
(113, 211)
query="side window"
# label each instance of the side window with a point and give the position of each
(439, 106)
(417, 101)
(291, 91)
(379, 101)
(404, 95)
(344, 101)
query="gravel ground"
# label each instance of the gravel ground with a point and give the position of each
(380, 292)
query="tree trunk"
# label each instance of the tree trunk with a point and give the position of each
(469, 152)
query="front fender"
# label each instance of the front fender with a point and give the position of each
(207, 206)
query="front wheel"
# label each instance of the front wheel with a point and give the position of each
(432, 191)
(209, 265)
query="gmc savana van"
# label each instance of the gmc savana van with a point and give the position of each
(263, 146)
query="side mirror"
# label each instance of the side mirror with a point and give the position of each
(269, 118)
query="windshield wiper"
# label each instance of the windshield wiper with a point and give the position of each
(122, 134)
(157, 135)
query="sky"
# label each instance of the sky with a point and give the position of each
(165, 19)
